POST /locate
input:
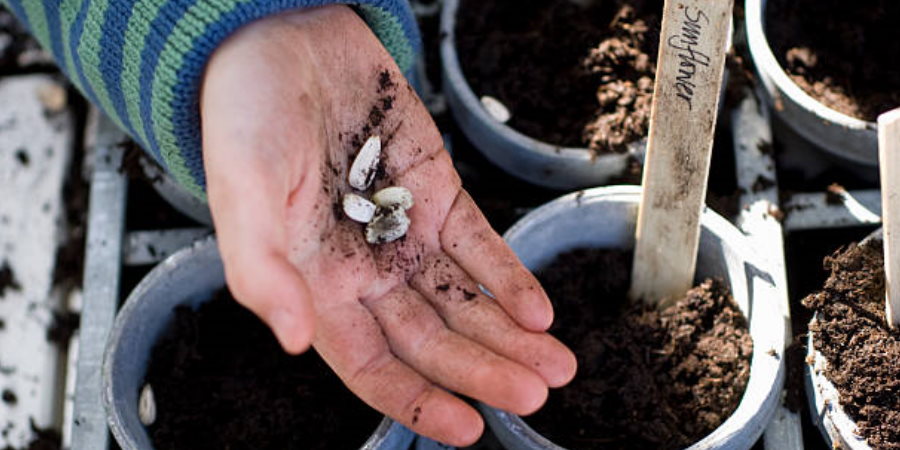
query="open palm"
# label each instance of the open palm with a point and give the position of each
(286, 104)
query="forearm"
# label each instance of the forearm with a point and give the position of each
(142, 62)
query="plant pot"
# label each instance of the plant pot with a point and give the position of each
(423, 443)
(188, 277)
(835, 425)
(174, 194)
(851, 141)
(838, 429)
(605, 218)
(527, 158)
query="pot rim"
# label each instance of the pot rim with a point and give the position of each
(114, 416)
(454, 75)
(831, 419)
(173, 193)
(768, 64)
(763, 391)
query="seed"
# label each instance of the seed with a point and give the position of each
(365, 165)
(388, 225)
(496, 109)
(147, 406)
(358, 208)
(53, 96)
(394, 196)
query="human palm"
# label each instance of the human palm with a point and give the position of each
(286, 104)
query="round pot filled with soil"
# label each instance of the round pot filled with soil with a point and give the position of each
(186, 367)
(695, 373)
(829, 69)
(558, 92)
(853, 362)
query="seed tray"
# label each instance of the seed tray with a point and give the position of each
(68, 386)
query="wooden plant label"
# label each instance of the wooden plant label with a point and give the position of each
(889, 163)
(682, 122)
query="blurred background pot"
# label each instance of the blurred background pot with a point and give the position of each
(605, 218)
(537, 162)
(188, 277)
(849, 140)
(174, 194)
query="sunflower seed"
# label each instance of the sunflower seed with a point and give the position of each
(358, 208)
(496, 109)
(393, 196)
(53, 96)
(147, 406)
(388, 225)
(365, 165)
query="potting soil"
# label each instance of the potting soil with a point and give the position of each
(221, 381)
(844, 54)
(647, 379)
(570, 75)
(863, 353)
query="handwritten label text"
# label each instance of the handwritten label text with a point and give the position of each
(689, 57)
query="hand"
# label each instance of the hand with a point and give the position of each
(286, 104)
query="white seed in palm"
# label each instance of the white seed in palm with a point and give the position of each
(388, 225)
(496, 109)
(358, 208)
(365, 165)
(393, 196)
(147, 406)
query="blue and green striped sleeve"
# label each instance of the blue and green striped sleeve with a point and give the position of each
(142, 61)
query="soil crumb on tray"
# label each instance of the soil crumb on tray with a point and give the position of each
(852, 333)
(221, 381)
(570, 75)
(844, 54)
(647, 379)
(44, 439)
(8, 279)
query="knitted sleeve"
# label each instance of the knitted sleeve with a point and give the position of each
(141, 61)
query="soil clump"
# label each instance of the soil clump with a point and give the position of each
(648, 378)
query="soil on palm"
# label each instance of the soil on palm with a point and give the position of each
(571, 75)
(852, 333)
(844, 54)
(221, 380)
(647, 378)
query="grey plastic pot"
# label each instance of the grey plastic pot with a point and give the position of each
(423, 443)
(174, 194)
(605, 218)
(522, 156)
(188, 277)
(838, 429)
(850, 140)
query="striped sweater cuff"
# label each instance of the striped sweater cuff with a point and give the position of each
(142, 62)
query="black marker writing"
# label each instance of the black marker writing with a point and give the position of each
(689, 57)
